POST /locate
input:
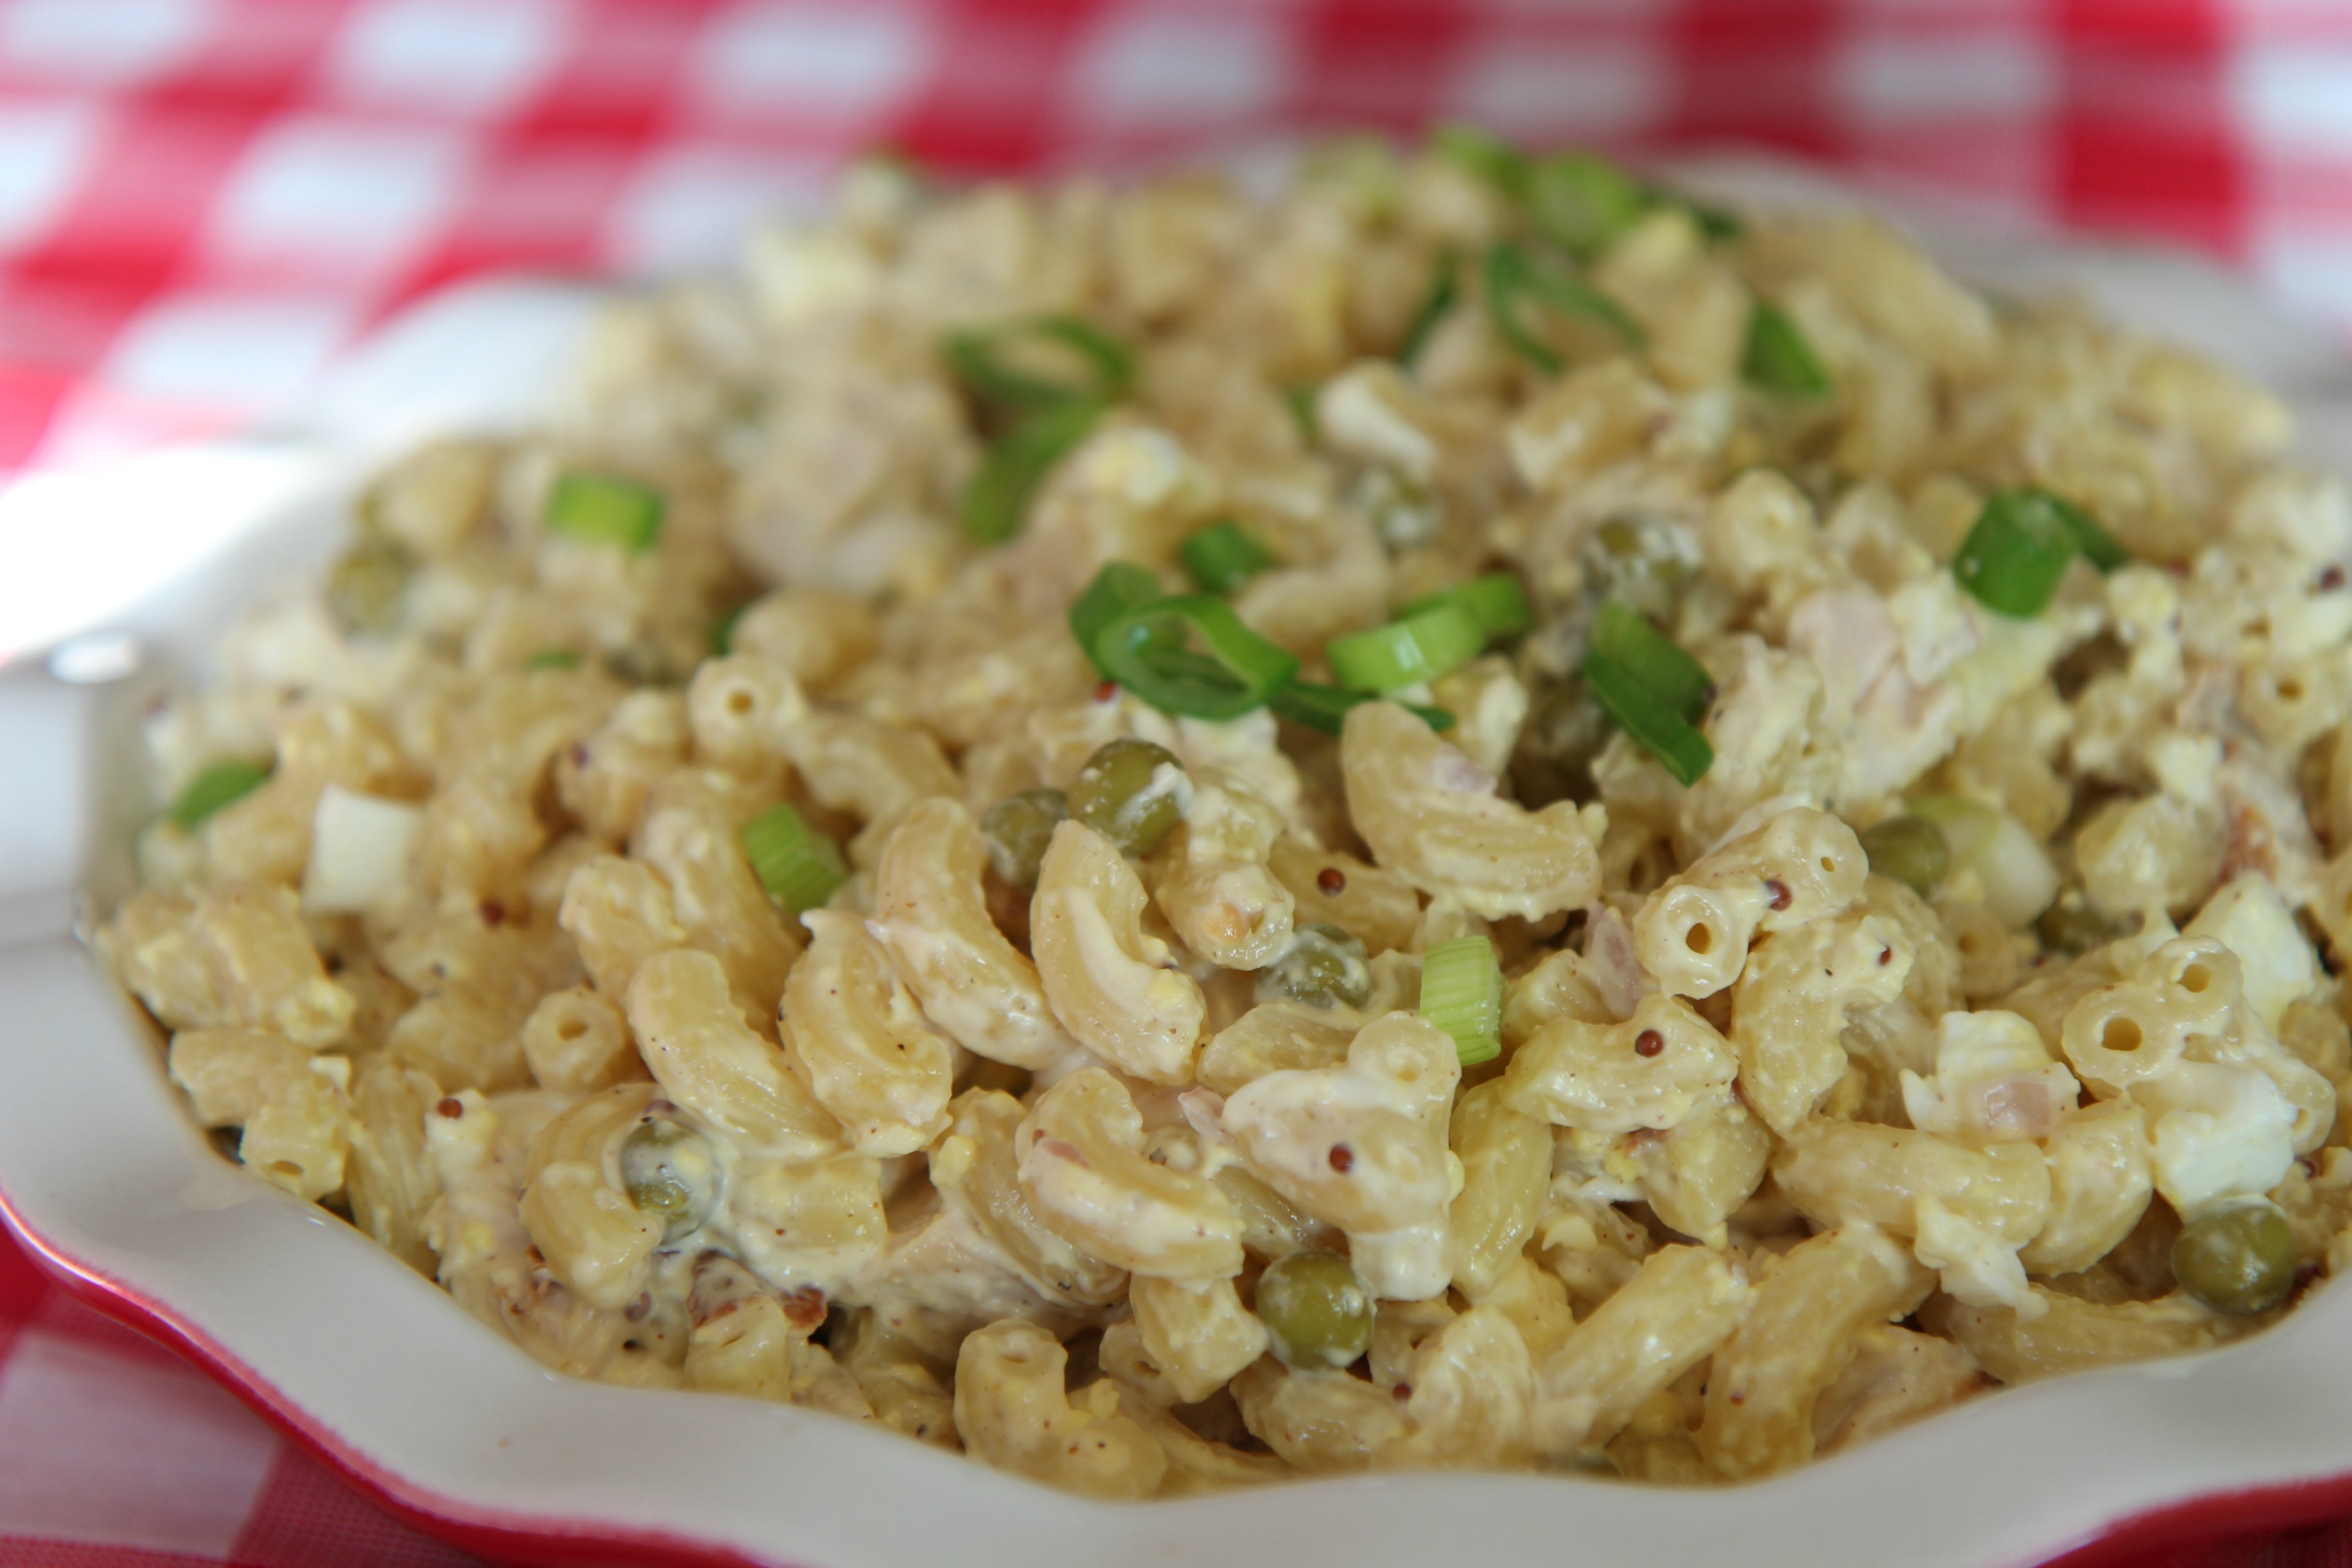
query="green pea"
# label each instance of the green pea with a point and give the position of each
(1132, 792)
(669, 1172)
(367, 588)
(1323, 967)
(1617, 539)
(1911, 849)
(1638, 560)
(1317, 1311)
(1564, 731)
(1018, 828)
(2074, 924)
(2240, 1261)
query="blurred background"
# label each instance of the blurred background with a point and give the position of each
(203, 203)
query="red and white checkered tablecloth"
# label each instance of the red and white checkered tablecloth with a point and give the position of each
(202, 202)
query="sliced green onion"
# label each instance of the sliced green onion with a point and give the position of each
(2099, 547)
(605, 509)
(552, 658)
(1300, 401)
(1967, 826)
(1683, 751)
(1325, 708)
(1406, 652)
(1576, 200)
(1654, 690)
(1582, 202)
(996, 498)
(2016, 877)
(1628, 639)
(1118, 587)
(2015, 556)
(1444, 292)
(722, 630)
(1462, 994)
(1221, 557)
(800, 867)
(1515, 277)
(1716, 224)
(1488, 156)
(983, 360)
(220, 785)
(1777, 358)
(1235, 671)
(1495, 601)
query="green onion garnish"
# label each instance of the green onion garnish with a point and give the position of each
(1406, 652)
(1118, 587)
(1495, 601)
(984, 361)
(1221, 557)
(1515, 277)
(606, 509)
(996, 498)
(722, 630)
(1444, 290)
(1579, 201)
(1300, 401)
(1582, 202)
(222, 783)
(1055, 414)
(552, 658)
(1625, 637)
(1684, 752)
(1462, 994)
(2023, 540)
(1715, 223)
(1325, 708)
(800, 867)
(2099, 547)
(1233, 671)
(1654, 690)
(1777, 357)
(1489, 157)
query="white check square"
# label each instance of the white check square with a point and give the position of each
(350, 197)
(44, 148)
(2293, 97)
(101, 43)
(248, 351)
(689, 207)
(474, 58)
(96, 1448)
(1548, 89)
(1888, 77)
(1166, 68)
(763, 60)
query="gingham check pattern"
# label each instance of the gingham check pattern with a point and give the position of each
(202, 201)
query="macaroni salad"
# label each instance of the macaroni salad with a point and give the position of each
(1471, 815)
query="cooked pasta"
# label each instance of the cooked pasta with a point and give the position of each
(1470, 816)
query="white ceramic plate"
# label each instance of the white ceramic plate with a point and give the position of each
(105, 1176)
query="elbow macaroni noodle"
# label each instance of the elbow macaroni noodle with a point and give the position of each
(1109, 980)
(1880, 1064)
